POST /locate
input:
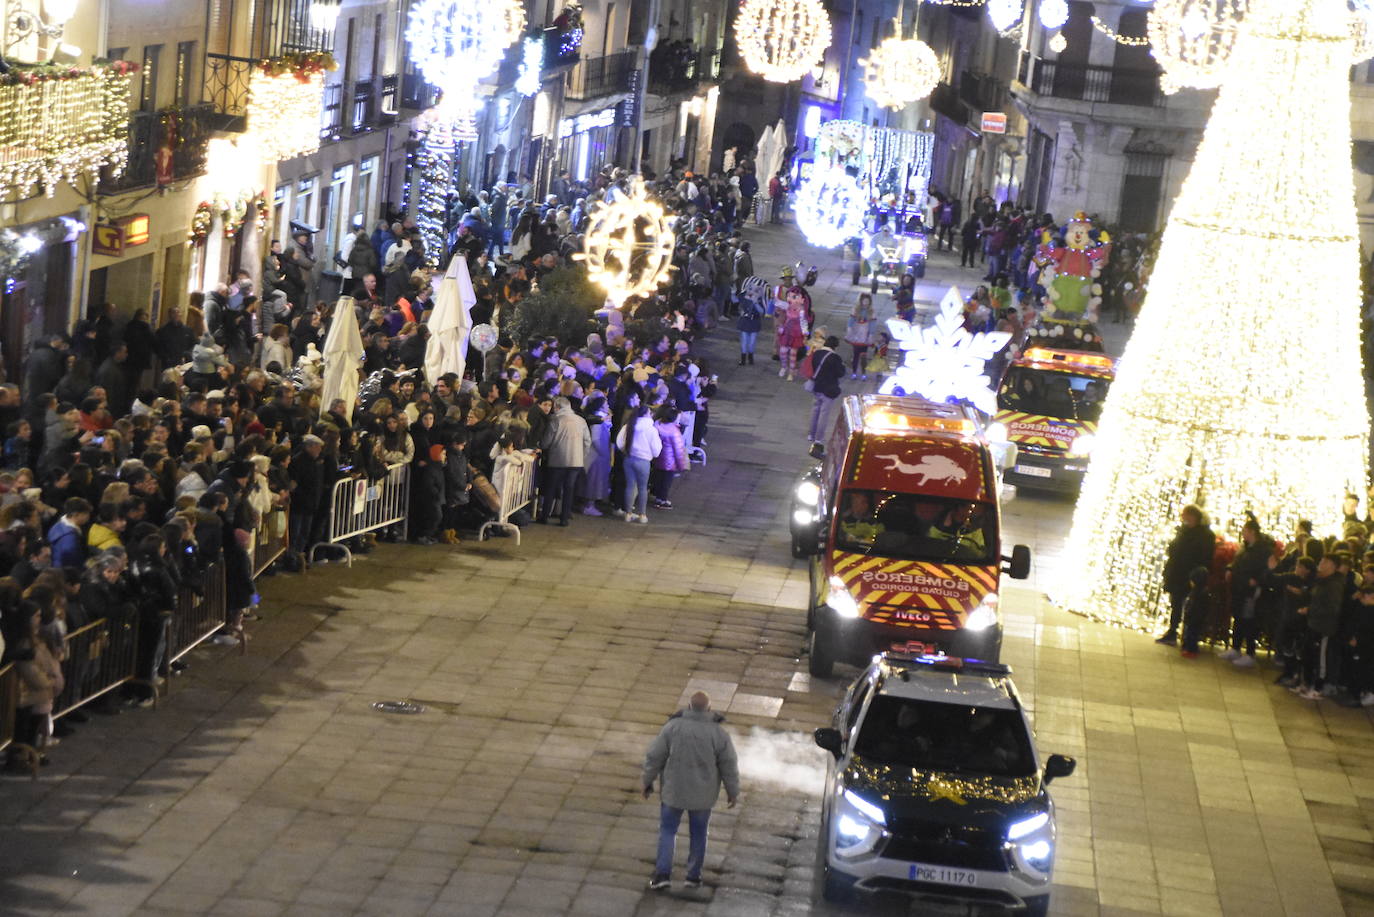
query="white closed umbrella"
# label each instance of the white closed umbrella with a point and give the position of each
(779, 146)
(343, 351)
(450, 322)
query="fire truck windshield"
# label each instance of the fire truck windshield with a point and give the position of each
(916, 527)
(1050, 393)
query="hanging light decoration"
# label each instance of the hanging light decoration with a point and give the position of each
(781, 40)
(1192, 40)
(1054, 13)
(900, 71)
(1058, 43)
(455, 43)
(629, 242)
(1005, 13)
(830, 207)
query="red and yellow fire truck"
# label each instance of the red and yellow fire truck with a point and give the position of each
(1048, 406)
(901, 523)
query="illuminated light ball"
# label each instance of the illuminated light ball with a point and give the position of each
(284, 113)
(900, 71)
(1193, 39)
(1005, 13)
(781, 40)
(1058, 43)
(629, 243)
(457, 42)
(1054, 13)
(830, 208)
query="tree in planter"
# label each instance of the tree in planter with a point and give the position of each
(562, 308)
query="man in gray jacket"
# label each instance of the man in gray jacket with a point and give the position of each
(565, 443)
(693, 755)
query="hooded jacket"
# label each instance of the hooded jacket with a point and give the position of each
(694, 756)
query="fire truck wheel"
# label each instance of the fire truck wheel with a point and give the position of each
(821, 655)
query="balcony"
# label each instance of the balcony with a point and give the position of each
(944, 100)
(603, 76)
(1087, 83)
(982, 91)
(331, 113)
(416, 92)
(363, 110)
(391, 99)
(671, 71)
(226, 90)
(148, 133)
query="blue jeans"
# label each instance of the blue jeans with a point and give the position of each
(746, 341)
(668, 821)
(636, 477)
(820, 416)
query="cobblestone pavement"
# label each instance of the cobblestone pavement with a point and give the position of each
(265, 784)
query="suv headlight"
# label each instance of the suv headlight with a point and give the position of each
(997, 432)
(808, 493)
(840, 601)
(1083, 444)
(858, 824)
(1032, 842)
(985, 615)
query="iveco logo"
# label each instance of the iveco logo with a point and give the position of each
(920, 617)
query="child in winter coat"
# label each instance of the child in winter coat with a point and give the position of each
(671, 460)
(457, 487)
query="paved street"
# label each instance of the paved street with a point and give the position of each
(265, 784)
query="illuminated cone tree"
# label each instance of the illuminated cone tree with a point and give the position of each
(1242, 386)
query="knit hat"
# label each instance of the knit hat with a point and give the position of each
(201, 431)
(310, 439)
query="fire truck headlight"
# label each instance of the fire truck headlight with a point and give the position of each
(1083, 444)
(840, 601)
(997, 432)
(808, 493)
(985, 615)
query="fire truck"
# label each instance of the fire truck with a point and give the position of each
(1049, 404)
(901, 524)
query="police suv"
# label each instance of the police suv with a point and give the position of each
(935, 790)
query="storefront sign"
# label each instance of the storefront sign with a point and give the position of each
(627, 111)
(135, 227)
(994, 122)
(583, 123)
(107, 240)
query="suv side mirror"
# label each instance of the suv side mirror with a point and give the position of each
(817, 450)
(1019, 564)
(829, 739)
(1057, 766)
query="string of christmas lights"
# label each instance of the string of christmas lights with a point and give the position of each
(434, 160)
(1130, 41)
(1236, 392)
(284, 110)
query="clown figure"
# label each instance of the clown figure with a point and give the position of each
(1069, 271)
(792, 328)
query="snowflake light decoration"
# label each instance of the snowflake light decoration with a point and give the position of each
(944, 362)
(900, 71)
(781, 40)
(629, 243)
(830, 207)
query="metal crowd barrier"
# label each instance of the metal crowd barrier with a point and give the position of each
(100, 657)
(358, 505)
(9, 706)
(519, 492)
(268, 546)
(197, 617)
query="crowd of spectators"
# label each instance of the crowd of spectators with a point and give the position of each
(137, 459)
(1310, 600)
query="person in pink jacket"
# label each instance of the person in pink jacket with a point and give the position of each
(671, 460)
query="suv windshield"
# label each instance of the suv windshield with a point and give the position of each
(953, 738)
(916, 527)
(1064, 396)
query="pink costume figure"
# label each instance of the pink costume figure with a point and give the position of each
(792, 330)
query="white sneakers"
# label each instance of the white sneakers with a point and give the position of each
(1227, 654)
(631, 517)
(781, 373)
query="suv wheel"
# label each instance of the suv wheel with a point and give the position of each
(821, 653)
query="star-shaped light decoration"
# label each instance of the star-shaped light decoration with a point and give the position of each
(945, 362)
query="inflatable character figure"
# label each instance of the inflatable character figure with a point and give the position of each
(1069, 270)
